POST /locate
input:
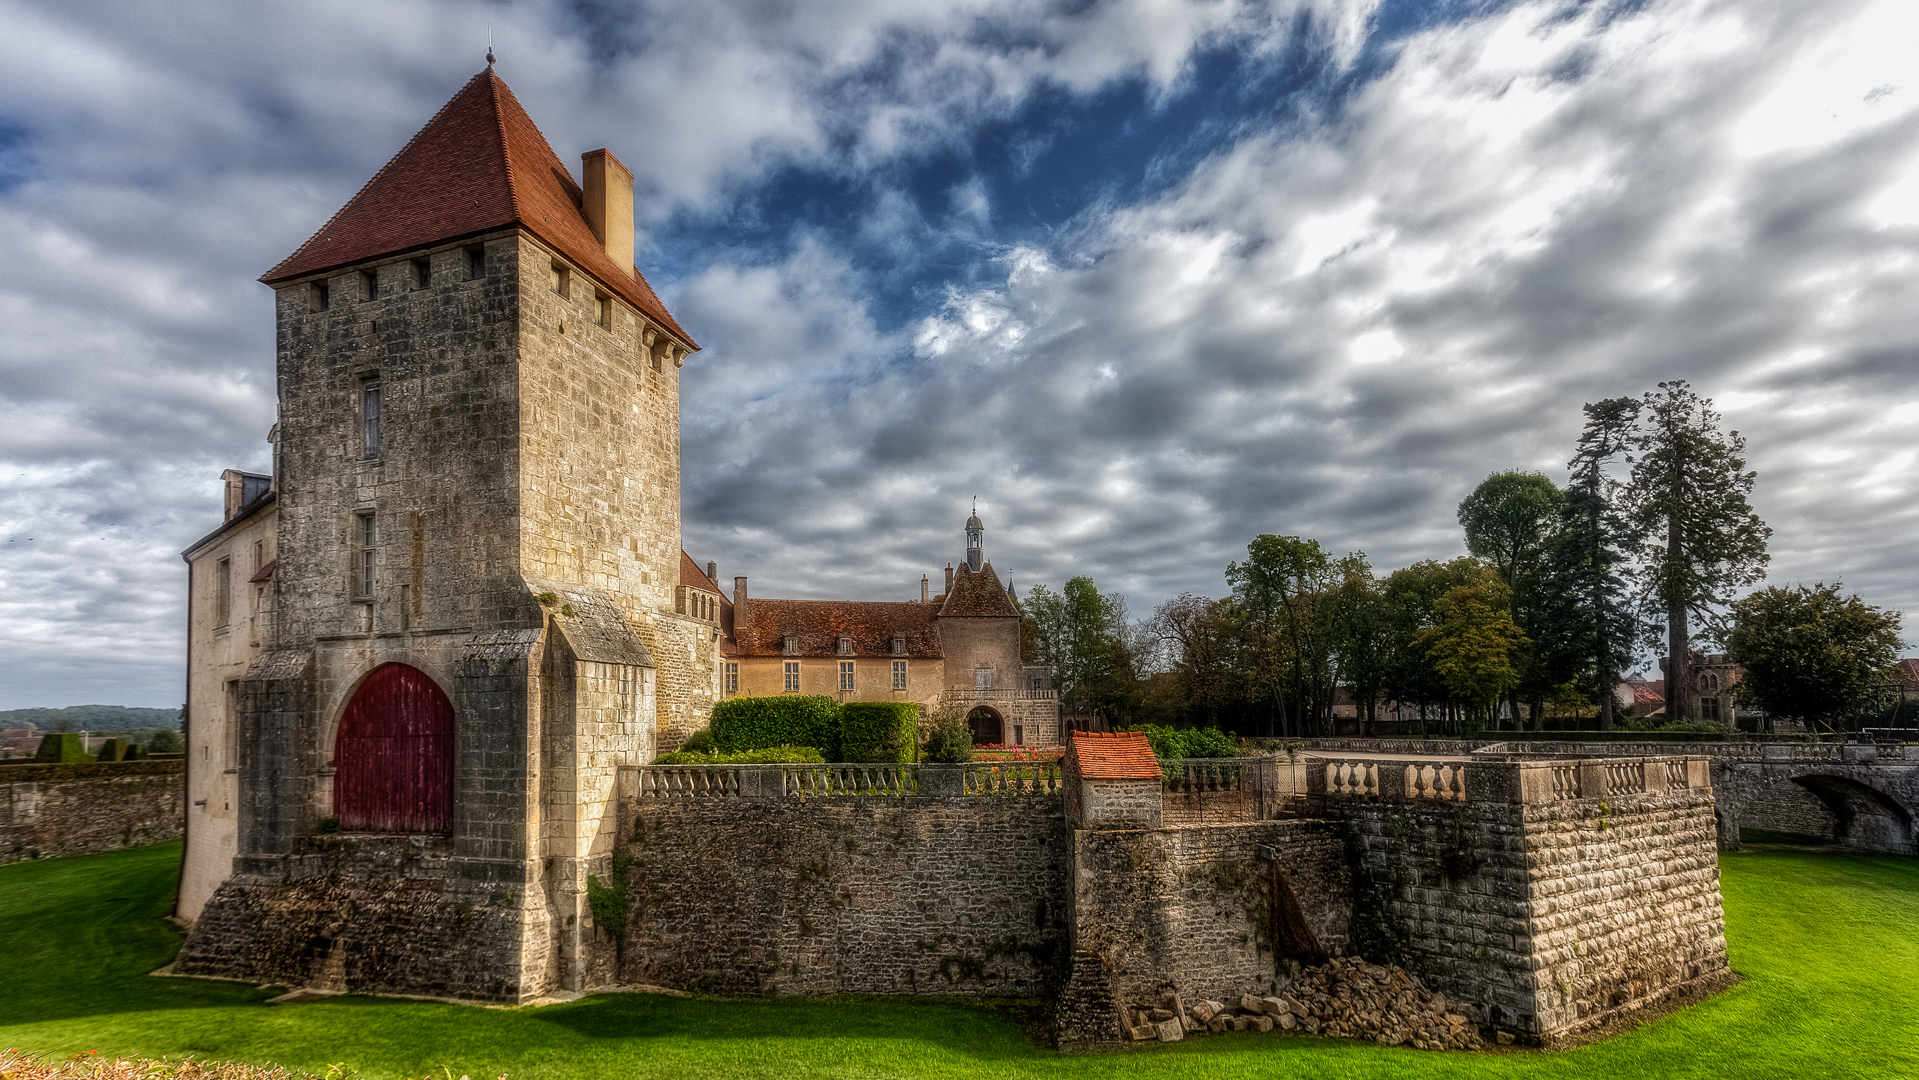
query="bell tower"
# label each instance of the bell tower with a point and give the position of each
(975, 540)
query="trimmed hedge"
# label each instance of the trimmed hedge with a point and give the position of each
(772, 755)
(62, 747)
(756, 723)
(1173, 744)
(879, 731)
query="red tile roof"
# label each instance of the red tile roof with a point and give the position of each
(1648, 696)
(480, 164)
(977, 595)
(819, 625)
(1124, 755)
(691, 574)
(265, 573)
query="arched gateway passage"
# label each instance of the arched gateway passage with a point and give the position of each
(393, 758)
(987, 728)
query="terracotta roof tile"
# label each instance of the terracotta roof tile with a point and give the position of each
(265, 573)
(819, 625)
(480, 164)
(977, 596)
(1124, 755)
(691, 574)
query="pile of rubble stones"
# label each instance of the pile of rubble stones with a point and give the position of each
(1346, 998)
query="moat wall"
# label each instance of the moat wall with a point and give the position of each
(72, 809)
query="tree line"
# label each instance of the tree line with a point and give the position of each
(1642, 552)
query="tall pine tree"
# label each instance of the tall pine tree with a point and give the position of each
(1587, 612)
(1697, 536)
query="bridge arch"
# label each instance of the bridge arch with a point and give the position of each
(1863, 815)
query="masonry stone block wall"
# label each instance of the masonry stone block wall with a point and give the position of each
(917, 895)
(1192, 910)
(1549, 913)
(50, 810)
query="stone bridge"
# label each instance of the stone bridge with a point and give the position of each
(1860, 796)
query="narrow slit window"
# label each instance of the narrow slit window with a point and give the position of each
(321, 299)
(370, 283)
(603, 311)
(365, 561)
(422, 273)
(475, 262)
(223, 604)
(559, 279)
(370, 416)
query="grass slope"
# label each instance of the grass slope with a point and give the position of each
(1829, 943)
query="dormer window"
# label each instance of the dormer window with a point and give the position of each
(899, 644)
(846, 645)
(792, 647)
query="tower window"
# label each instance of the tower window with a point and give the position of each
(559, 279)
(370, 282)
(370, 419)
(792, 672)
(223, 604)
(475, 263)
(603, 311)
(420, 273)
(899, 674)
(321, 300)
(364, 565)
(846, 674)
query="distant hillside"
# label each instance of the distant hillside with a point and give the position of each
(89, 718)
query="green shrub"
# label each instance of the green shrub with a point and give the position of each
(755, 723)
(61, 747)
(1170, 743)
(875, 731)
(111, 750)
(772, 755)
(166, 741)
(700, 742)
(134, 752)
(951, 740)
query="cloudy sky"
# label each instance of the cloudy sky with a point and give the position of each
(1147, 277)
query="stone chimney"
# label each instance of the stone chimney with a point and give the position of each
(608, 204)
(235, 482)
(739, 601)
(926, 589)
(949, 579)
(713, 572)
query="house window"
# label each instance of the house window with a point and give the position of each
(732, 678)
(846, 645)
(370, 419)
(370, 282)
(899, 644)
(792, 647)
(983, 678)
(559, 279)
(1019, 735)
(475, 263)
(223, 580)
(792, 673)
(259, 554)
(846, 674)
(1709, 708)
(322, 299)
(899, 674)
(420, 275)
(364, 565)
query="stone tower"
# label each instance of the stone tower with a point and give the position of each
(478, 547)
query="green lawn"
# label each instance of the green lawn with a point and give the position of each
(1829, 943)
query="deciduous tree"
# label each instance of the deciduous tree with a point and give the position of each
(1813, 654)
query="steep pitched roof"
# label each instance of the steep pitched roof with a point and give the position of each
(819, 624)
(977, 595)
(691, 574)
(1123, 755)
(480, 164)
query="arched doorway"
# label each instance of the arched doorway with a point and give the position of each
(393, 758)
(987, 728)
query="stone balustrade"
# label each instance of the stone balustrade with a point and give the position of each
(1528, 782)
(837, 780)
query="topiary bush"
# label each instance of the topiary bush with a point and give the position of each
(111, 750)
(879, 731)
(951, 740)
(755, 723)
(772, 755)
(61, 747)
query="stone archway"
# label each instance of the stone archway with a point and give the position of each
(989, 728)
(1863, 816)
(393, 756)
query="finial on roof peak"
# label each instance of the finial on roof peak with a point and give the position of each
(489, 58)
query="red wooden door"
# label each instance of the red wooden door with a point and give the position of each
(393, 759)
